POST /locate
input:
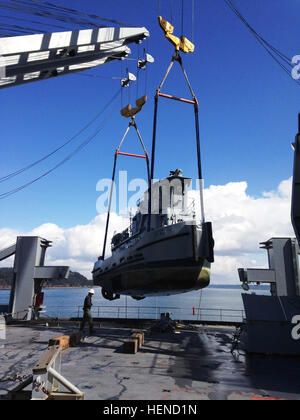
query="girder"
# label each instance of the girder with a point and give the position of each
(37, 57)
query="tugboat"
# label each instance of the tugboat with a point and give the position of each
(166, 250)
(173, 257)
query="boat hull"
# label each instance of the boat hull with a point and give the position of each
(155, 279)
(167, 261)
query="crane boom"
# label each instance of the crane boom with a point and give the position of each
(31, 58)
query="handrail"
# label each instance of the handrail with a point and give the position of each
(151, 313)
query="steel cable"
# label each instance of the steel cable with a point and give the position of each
(77, 150)
(256, 34)
(12, 175)
(28, 9)
(269, 48)
(77, 12)
(35, 22)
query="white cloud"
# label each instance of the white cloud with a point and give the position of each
(240, 222)
(77, 247)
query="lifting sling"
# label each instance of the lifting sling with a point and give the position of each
(145, 156)
(168, 29)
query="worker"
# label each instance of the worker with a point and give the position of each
(87, 317)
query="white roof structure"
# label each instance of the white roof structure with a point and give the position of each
(31, 58)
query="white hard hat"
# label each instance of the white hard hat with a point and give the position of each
(92, 291)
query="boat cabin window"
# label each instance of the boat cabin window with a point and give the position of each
(177, 201)
(172, 197)
(160, 200)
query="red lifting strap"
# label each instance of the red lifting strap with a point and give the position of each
(175, 98)
(132, 155)
(145, 156)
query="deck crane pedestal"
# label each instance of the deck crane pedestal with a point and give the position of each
(270, 320)
(26, 298)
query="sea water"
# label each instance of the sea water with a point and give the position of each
(213, 303)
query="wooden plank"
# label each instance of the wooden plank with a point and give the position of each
(65, 396)
(130, 346)
(62, 341)
(18, 393)
(22, 395)
(139, 338)
(143, 336)
(46, 360)
(75, 339)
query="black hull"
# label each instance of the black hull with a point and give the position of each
(166, 261)
(141, 279)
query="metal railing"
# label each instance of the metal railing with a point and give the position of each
(149, 313)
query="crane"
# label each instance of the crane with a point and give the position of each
(31, 58)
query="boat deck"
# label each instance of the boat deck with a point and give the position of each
(194, 363)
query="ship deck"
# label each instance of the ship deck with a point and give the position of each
(194, 363)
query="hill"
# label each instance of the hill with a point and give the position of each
(75, 280)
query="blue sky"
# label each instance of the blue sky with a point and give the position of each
(248, 111)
